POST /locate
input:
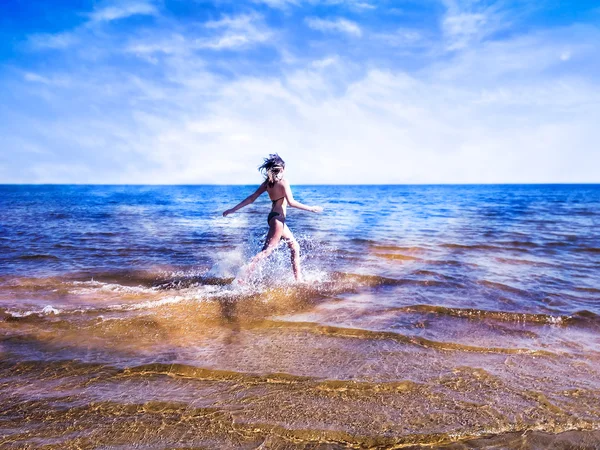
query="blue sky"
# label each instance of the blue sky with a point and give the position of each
(346, 91)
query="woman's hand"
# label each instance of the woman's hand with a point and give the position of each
(229, 211)
(316, 209)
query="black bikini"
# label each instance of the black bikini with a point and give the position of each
(273, 213)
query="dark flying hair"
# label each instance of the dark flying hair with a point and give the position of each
(271, 167)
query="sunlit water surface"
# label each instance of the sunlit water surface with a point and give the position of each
(447, 316)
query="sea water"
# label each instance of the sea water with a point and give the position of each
(448, 316)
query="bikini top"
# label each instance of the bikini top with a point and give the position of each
(275, 201)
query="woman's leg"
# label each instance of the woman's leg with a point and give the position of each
(274, 235)
(295, 251)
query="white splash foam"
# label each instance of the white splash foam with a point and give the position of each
(46, 310)
(149, 304)
(227, 264)
(95, 286)
(49, 309)
(195, 294)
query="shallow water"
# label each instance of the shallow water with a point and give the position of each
(446, 316)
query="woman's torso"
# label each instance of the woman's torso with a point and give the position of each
(277, 196)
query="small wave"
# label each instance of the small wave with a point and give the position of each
(193, 281)
(590, 290)
(585, 317)
(593, 250)
(471, 247)
(397, 248)
(504, 316)
(58, 215)
(503, 287)
(189, 371)
(47, 310)
(567, 437)
(361, 333)
(37, 257)
(149, 304)
(437, 275)
(364, 241)
(93, 286)
(525, 262)
(181, 370)
(396, 256)
(582, 318)
(359, 280)
(516, 243)
(144, 278)
(364, 280)
(50, 312)
(100, 233)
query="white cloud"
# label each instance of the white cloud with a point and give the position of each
(461, 28)
(122, 10)
(172, 44)
(62, 41)
(527, 57)
(402, 37)
(468, 22)
(339, 25)
(285, 4)
(364, 5)
(233, 22)
(325, 62)
(34, 77)
(45, 41)
(238, 31)
(230, 32)
(233, 40)
(61, 81)
(280, 4)
(492, 111)
(449, 124)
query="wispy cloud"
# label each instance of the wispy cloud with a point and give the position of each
(61, 81)
(466, 22)
(236, 31)
(122, 10)
(351, 4)
(48, 41)
(280, 4)
(165, 104)
(402, 37)
(334, 25)
(104, 14)
(284, 4)
(364, 5)
(173, 43)
(460, 29)
(473, 126)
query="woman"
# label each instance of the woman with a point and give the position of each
(280, 194)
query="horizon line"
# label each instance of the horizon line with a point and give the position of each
(314, 184)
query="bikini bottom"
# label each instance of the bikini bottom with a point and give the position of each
(271, 215)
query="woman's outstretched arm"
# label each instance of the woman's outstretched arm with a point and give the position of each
(248, 200)
(294, 204)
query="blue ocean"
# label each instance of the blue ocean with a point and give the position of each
(450, 316)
